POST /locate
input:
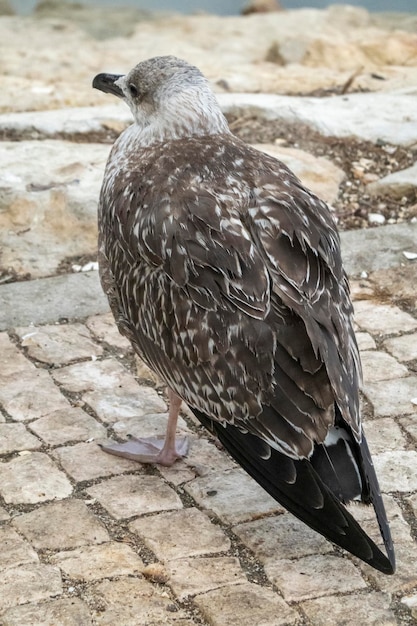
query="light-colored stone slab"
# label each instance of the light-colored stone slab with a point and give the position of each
(245, 605)
(149, 425)
(384, 435)
(61, 525)
(392, 397)
(397, 470)
(31, 479)
(62, 612)
(30, 395)
(365, 341)
(282, 537)
(365, 116)
(72, 424)
(14, 437)
(13, 361)
(100, 561)
(113, 405)
(91, 375)
(397, 184)
(314, 576)
(111, 391)
(68, 296)
(28, 583)
(180, 534)
(372, 609)
(187, 577)
(377, 249)
(104, 329)
(382, 319)
(134, 601)
(232, 495)
(15, 550)
(87, 461)
(4, 516)
(403, 348)
(58, 344)
(409, 423)
(381, 366)
(126, 496)
(411, 603)
(48, 188)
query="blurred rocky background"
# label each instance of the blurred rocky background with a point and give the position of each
(331, 91)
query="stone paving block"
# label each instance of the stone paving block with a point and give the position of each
(134, 601)
(245, 605)
(405, 577)
(282, 537)
(392, 397)
(72, 424)
(382, 319)
(378, 365)
(203, 458)
(32, 478)
(4, 516)
(409, 423)
(126, 496)
(86, 461)
(95, 375)
(67, 524)
(397, 470)
(177, 474)
(104, 328)
(314, 576)
(233, 496)
(58, 344)
(384, 434)
(403, 348)
(180, 534)
(98, 561)
(411, 603)
(14, 437)
(372, 609)
(14, 550)
(188, 577)
(28, 583)
(113, 405)
(111, 391)
(30, 394)
(149, 425)
(12, 359)
(62, 612)
(365, 341)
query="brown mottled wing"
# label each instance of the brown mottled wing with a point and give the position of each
(233, 291)
(226, 275)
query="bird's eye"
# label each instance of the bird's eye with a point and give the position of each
(133, 90)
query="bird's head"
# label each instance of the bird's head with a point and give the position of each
(169, 99)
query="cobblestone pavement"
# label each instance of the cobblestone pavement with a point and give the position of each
(89, 538)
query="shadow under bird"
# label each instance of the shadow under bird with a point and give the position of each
(225, 273)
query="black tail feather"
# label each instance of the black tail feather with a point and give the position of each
(298, 487)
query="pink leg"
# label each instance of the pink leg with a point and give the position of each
(155, 449)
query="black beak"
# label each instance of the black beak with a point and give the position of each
(106, 83)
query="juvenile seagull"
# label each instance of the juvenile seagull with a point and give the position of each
(225, 273)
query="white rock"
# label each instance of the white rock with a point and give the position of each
(376, 218)
(411, 256)
(398, 184)
(375, 117)
(48, 202)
